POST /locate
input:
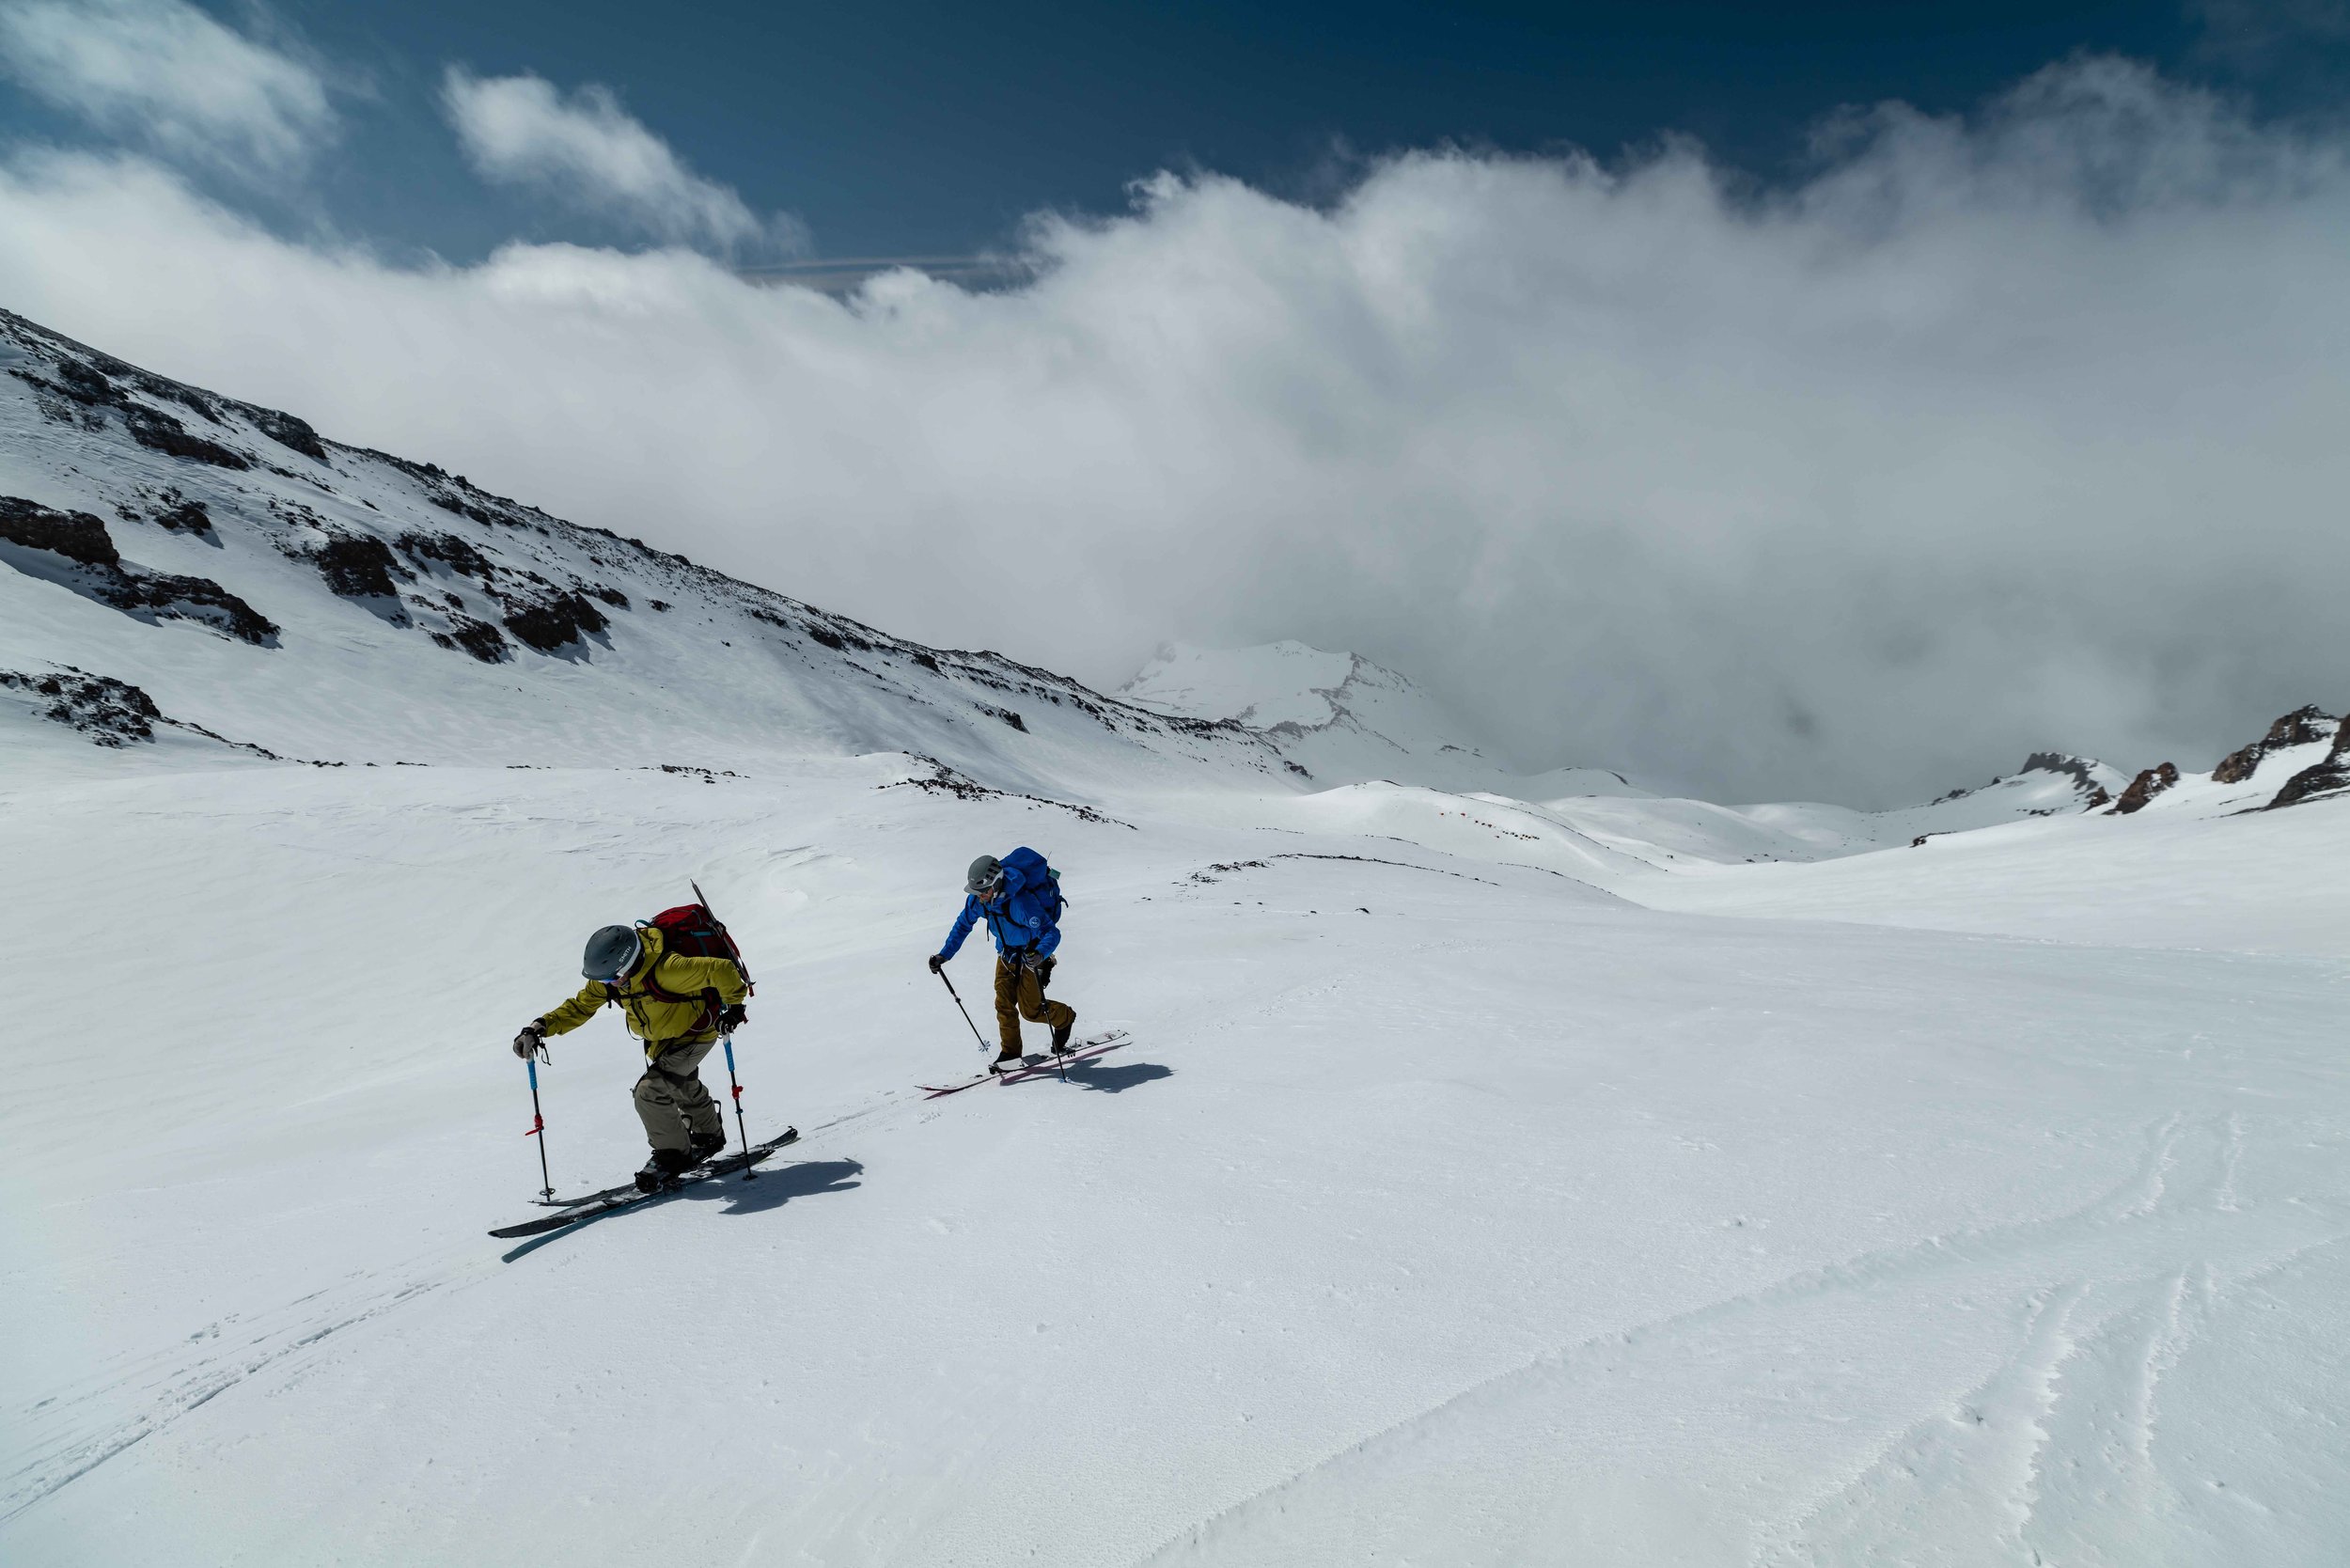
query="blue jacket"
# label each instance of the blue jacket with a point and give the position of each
(1019, 919)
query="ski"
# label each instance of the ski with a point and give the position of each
(1030, 1067)
(613, 1200)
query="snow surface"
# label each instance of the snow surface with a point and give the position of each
(1583, 1177)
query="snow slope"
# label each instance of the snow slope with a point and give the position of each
(1488, 1181)
(1441, 1209)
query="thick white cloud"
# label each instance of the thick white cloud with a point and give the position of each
(589, 151)
(1992, 437)
(164, 73)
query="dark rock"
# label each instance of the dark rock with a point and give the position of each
(478, 637)
(2301, 727)
(555, 622)
(187, 517)
(2098, 796)
(447, 549)
(85, 386)
(175, 597)
(2329, 777)
(111, 713)
(357, 566)
(661, 604)
(1006, 714)
(87, 562)
(2057, 762)
(2145, 787)
(163, 433)
(75, 535)
(287, 431)
(611, 596)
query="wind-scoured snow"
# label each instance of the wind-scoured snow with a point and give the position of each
(1569, 1176)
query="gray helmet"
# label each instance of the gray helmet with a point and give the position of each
(985, 876)
(611, 953)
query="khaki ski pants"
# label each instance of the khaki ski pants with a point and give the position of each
(672, 1103)
(1020, 993)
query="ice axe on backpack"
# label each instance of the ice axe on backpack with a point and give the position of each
(749, 1172)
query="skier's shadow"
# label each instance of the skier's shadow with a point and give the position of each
(1118, 1079)
(772, 1189)
(778, 1185)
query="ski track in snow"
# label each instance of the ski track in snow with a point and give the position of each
(2104, 1299)
(72, 1434)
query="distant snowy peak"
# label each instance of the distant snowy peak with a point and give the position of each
(1278, 682)
(1337, 717)
(2048, 781)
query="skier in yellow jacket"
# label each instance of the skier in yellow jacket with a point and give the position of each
(677, 1005)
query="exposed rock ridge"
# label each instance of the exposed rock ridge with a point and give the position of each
(2301, 727)
(2329, 777)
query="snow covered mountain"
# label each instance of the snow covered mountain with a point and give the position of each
(223, 577)
(1501, 1170)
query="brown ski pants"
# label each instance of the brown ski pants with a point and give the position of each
(1020, 993)
(672, 1103)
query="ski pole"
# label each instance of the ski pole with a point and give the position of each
(538, 1129)
(749, 1174)
(965, 1010)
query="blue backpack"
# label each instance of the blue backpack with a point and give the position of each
(1038, 879)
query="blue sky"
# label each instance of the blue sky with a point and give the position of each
(896, 129)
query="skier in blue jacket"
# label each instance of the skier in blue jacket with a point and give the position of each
(1020, 899)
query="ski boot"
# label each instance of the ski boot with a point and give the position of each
(661, 1171)
(1060, 1037)
(1008, 1060)
(707, 1146)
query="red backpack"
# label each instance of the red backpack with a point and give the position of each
(691, 930)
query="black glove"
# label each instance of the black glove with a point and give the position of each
(1035, 963)
(532, 1042)
(730, 1017)
(938, 963)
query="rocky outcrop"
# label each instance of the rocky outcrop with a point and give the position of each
(184, 517)
(287, 431)
(2330, 777)
(358, 566)
(2145, 787)
(478, 637)
(166, 434)
(2302, 727)
(2079, 769)
(111, 713)
(555, 622)
(73, 550)
(77, 536)
(444, 550)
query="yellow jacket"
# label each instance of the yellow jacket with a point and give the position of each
(657, 1022)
